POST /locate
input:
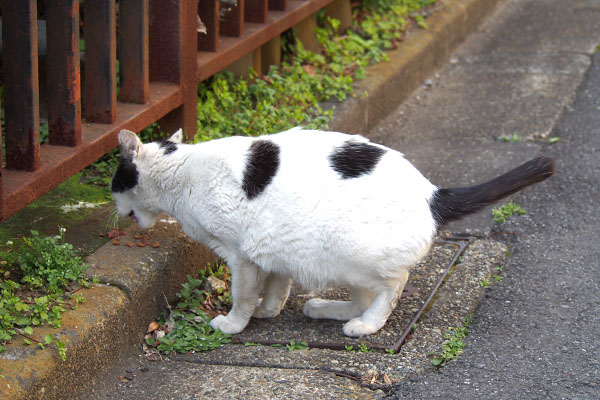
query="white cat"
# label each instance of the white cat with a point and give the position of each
(322, 209)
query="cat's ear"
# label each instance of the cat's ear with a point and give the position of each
(177, 137)
(131, 146)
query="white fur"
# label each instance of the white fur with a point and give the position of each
(308, 225)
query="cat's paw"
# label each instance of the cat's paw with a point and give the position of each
(356, 327)
(265, 312)
(226, 325)
(316, 308)
(330, 309)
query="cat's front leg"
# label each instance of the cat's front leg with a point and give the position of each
(277, 290)
(246, 282)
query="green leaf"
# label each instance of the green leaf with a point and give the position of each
(48, 339)
(28, 330)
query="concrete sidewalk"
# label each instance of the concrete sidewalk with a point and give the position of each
(515, 75)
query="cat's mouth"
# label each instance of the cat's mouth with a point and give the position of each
(132, 215)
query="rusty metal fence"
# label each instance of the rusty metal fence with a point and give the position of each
(87, 99)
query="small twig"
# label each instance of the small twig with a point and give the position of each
(168, 305)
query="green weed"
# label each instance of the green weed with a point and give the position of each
(296, 346)
(553, 140)
(291, 95)
(506, 211)
(49, 270)
(514, 138)
(186, 327)
(453, 345)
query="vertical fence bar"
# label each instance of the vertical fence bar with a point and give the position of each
(279, 5)
(189, 68)
(208, 12)
(165, 41)
(133, 51)
(1, 183)
(64, 87)
(21, 85)
(257, 11)
(233, 23)
(173, 52)
(100, 61)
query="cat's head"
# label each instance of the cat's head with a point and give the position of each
(131, 187)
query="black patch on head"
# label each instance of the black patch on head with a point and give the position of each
(261, 167)
(126, 176)
(168, 146)
(352, 159)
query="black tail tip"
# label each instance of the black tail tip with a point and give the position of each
(545, 165)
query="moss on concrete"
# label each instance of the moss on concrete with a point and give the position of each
(83, 209)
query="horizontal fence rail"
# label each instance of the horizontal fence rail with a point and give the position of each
(93, 68)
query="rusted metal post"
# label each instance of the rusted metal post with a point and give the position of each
(342, 11)
(173, 52)
(208, 12)
(21, 86)
(257, 11)
(1, 181)
(100, 36)
(305, 33)
(133, 51)
(270, 54)
(279, 5)
(64, 84)
(233, 24)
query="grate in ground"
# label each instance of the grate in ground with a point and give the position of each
(292, 325)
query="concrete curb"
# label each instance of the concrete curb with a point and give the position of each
(114, 317)
(417, 57)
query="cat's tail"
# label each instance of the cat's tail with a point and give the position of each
(451, 204)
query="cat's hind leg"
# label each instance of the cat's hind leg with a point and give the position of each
(339, 310)
(277, 290)
(375, 317)
(246, 281)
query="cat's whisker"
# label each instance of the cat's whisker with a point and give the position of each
(113, 220)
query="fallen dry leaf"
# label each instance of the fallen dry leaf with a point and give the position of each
(387, 380)
(309, 69)
(153, 326)
(137, 236)
(129, 244)
(155, 245)
(141, 244)
(116, 242)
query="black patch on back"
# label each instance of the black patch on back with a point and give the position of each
(352, 160)
(125, 178)
(261, 167)
(168, 146)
